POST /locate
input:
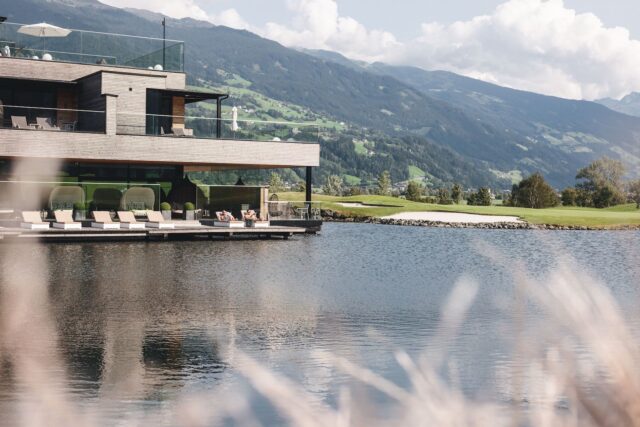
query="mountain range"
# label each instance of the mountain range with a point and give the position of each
(431, 125)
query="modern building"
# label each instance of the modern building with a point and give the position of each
(113, 110)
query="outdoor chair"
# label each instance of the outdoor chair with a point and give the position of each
(229, 221)
(44, 123)
(103, 220)
(156, 220)
(128, 221)
(20, 122)
(33, 221)
(64, 220)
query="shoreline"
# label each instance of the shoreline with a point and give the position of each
(334, 216)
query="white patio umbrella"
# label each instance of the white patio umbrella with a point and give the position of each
(234, 119)
(43, 30)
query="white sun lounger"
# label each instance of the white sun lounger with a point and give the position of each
(64, 220)
(220, 222)
(156, 220)
(258, 223)
(103, 220)
(33, 221)
(129, 222)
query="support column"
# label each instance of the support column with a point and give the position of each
(219, 118)
(309, 188)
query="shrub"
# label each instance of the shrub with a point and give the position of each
(443, 197)
(79, 206)
(189, 206)
(569, 196)
(164, 206)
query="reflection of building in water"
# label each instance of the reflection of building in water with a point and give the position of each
(133, 331)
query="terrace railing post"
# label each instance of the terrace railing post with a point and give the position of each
(219, 118)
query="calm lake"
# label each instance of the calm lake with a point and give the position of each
(142, 328)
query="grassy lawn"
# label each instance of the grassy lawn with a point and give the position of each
(612, 217)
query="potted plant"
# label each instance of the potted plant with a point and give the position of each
(189, 212)
(79, 211)
(165, 208)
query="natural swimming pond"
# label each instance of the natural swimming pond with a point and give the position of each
(136, 330)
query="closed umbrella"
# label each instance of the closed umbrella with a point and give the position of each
(234, 119)
(43, 30)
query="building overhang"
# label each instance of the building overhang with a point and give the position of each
(193, 153)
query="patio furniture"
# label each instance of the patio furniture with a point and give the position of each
(65, 197)
(45, 123)
(138, 199)
(156, 220)
(182, 131)
(33, 221)
(227, 220)
(255, 223)
(103, 220)
(20, 122)
(64, 220)
(128, 221)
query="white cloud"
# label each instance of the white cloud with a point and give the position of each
(318, 25)
(537, 45)
(183, 9)
(534, 45)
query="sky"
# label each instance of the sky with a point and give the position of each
(579, 49)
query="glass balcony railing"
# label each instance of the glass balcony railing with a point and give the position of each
(211, 128)
(51, 119)
(89, 47)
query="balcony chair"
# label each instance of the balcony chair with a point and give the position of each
(64, 220)
(20, 122)
(128, 221)
(44, 123)
(103, 221)
(33, 221)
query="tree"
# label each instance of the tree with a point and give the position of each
(633, 188)
(456, 193)
(333, 186)
(602, 179)
(415, 191)
(534, 192)
(384, 184)
(275, 183)
(481, 198)
(443, 197)
(569, 196)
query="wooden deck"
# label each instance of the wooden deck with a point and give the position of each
(180, 233)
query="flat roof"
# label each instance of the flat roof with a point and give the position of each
(32, 79)
(191, 95)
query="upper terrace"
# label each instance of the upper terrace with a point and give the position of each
(90, 47)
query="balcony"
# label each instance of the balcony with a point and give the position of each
(51, 119)
(89, 47)
(212, 128)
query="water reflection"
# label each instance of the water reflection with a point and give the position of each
(118, 329)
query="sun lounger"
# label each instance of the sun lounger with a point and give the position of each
(20, 122)
(128, 221)
(44, 123)
(64, 220)
(103, 220)
(156, 220)
(257, 223)
(231, 222)
(33, 221)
